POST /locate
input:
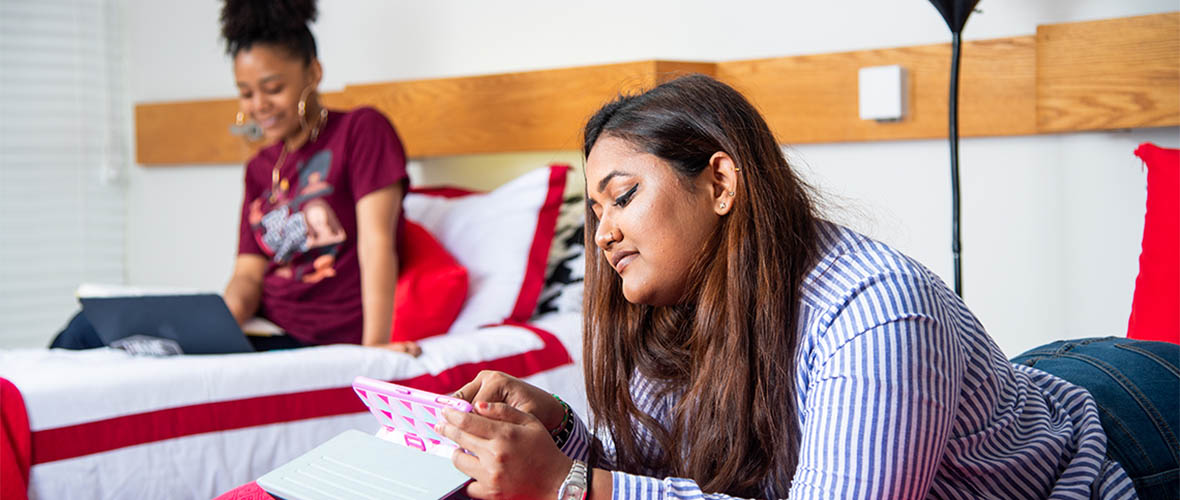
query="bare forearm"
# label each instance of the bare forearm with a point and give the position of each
(377, 215)
(378, 283)
(242, 296)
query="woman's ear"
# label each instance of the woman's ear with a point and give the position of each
(723, 175)
(315, 72)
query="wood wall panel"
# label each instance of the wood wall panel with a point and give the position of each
(196, 132)
(1096, 75)
(1116, 73)
(530, 111)
(813, 98)
(170, 133)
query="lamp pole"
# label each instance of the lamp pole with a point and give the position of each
(955, 13)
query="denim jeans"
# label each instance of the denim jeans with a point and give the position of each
(78, 334)
(1136, 385)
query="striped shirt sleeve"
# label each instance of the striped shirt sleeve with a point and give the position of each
(577, 445)
(628, 486)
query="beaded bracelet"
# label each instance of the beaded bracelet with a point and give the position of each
(562, 433)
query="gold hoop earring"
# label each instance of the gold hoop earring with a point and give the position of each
(302, 110)
(247, 129)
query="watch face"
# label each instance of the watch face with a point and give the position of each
(574, 492)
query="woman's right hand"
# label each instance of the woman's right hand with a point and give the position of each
(499, 387)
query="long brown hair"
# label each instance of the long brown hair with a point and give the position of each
(728, 351)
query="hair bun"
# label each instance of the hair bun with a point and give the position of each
(247, 20)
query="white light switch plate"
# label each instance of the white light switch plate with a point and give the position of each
(882, 92)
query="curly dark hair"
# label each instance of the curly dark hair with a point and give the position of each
(281, 23)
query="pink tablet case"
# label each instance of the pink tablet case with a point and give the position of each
(407, 415)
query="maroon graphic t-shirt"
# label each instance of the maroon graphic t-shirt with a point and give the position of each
(305, 224)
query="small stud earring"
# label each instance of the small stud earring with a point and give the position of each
(731, 193)
(723, 205)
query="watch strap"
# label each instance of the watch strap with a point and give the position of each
(577, 484)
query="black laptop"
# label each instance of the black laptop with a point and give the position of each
(199, 323)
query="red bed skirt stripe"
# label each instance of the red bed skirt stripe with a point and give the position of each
(78, 440)
(14, 444)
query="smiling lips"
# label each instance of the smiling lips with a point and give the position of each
(621, 259)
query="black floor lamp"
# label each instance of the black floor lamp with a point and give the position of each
(955, 13)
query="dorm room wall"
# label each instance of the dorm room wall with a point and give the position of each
(1051, 223)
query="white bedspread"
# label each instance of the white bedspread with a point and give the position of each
(107, 425)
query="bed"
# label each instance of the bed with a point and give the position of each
(108, 425)
(102, 424)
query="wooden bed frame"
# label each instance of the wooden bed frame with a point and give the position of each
(1096, 75)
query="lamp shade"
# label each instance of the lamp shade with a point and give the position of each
(955, 12)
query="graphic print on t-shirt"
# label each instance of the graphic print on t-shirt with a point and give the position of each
(298, 229)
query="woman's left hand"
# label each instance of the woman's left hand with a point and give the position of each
(409, 347)
(514, 456)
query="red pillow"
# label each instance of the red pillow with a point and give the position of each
(502, 237)
(1155, 310)
(431, 286)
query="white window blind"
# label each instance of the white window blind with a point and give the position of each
(63, 131)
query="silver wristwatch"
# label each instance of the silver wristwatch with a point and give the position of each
(575, 485)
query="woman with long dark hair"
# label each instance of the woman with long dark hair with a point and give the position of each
(736, 343)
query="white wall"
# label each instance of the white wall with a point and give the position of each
(1051, 223)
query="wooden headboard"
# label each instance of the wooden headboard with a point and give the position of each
(1096, 75)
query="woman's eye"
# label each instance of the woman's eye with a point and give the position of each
(622, 201)
(274, 91)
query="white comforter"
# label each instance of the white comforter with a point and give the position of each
(75, 399)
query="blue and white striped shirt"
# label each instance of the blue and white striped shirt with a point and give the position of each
(902, 394)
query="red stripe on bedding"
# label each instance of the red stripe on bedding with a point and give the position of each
(129, 430)
(534, 275)
(14, 443)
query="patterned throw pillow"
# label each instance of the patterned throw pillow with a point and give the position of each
(564, 272)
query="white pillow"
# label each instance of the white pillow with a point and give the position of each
(502, 237)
